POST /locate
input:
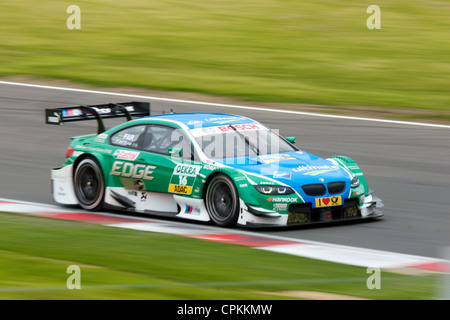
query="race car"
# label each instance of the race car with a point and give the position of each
(224, 168)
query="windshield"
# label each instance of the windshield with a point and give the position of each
(240, 140)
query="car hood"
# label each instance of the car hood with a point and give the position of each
(294, 169)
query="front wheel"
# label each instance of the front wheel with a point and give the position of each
(222, 201)
(89, 184)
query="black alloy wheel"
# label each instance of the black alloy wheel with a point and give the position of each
(89, 184)
(222, 201)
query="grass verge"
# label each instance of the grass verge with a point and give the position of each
(309, 52)
(117, 263)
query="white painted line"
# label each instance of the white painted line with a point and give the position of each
(32, 208)
(158, 227)
(303, 248)
(230, 106)
(352, 255)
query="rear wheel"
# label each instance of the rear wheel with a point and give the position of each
(89, 184)
(222, 201)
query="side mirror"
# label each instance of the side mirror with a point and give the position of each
(290, 139)
(176, 152)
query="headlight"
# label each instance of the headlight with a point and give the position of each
(274, 190)
(355, 182)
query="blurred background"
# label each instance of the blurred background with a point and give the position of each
(306, 55)
(304, 52)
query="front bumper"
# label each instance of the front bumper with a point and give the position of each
(369, 209)
(304, 214)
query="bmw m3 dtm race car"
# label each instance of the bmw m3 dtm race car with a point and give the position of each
(224, 168)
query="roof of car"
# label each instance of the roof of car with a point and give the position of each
(196, 120)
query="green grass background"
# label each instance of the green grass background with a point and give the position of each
(318, 52)
(128, 264)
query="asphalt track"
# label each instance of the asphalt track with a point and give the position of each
(407, 165)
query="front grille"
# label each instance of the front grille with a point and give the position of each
(336, 187)
(314, 189)
(303, 213)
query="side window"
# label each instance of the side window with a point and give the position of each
(180, 140)
(160, 139)
(154, 138)
(164, 137)
(129, 137)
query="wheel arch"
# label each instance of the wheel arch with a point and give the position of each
(231, 220)
(98, 201)
(351, 166)
(208, 181)
(89, 155)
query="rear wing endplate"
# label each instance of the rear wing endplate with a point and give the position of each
(101, 111)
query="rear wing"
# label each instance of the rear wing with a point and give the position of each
(101, 111)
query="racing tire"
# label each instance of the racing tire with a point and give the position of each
(89, 184)
(222, 201)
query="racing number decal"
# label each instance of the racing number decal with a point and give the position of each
(328, 202)
(183, 178)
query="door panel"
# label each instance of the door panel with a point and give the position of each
(141, 164)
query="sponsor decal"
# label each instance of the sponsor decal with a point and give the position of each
(108, 110)
(240, 127)
(275, 158)
(280, 199)
(183, 178)
(55, 118)
(209, 167)
(199, 132)
(186, 170)
(131, 170)
(127, 136)
(315, 173)
(176, 188)
(141, 195)
(61, 191)
(315, 170)
(222, 120)
(125, 155)
(101, 137)
(94, 149)
(283, 175)
(328, 201)
(194, 210)
(71, 112)
(194, 122)
(280, 206)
